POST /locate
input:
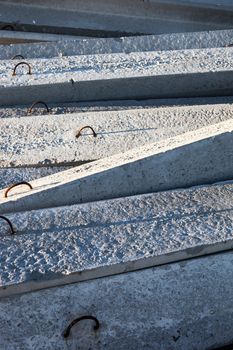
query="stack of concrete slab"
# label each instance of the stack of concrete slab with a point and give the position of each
(116, 174)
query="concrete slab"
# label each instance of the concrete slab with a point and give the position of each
(160, 207)
(50, 258)
(9, 176)
(114, 19)
(51, 140)
(8, 37)
(90, 46)
(114, 105)
(186, 305)
(119, 76)
(198, 157)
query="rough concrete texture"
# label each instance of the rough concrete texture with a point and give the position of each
(90, 46)
(114, 19)
(119, 76)
(47, 258)
(114, 105)
(198, 157)
(186, 305)
(9, 176)
(49, 140)
(160, 207)
(13, 37)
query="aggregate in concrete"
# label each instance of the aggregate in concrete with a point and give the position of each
(13, 37)
(114, 19)
(187, 73)
(199, 157)
(10, 176)
(185, 305)
(66, 255)
(49, 140)
(90, 46)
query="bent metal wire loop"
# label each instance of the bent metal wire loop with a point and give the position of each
(8, 27)
(86, 127)
(21, 64)
(9, 223)
(15, 185)
(68, 329)
(36, 103)
(18, 56)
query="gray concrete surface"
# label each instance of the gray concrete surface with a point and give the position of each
(186, 305)
(166, 42)
(8, 37)
(47, 258)
(189, 73)
(124, 7)
(51, 140)
(9, 176)
(160, 207)
(110, 105)
(114, 19)
(199, 157)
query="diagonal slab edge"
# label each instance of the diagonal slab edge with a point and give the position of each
(200, 157)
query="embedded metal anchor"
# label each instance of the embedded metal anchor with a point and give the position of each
(20, 64)
(36, 103)
(68, 329)
(18, 56)
(9, 223)
(17, 184)
(86, 127)
(8, 27)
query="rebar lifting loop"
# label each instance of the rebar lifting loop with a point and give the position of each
(17, 184)
(36, 103)
(20, 64)
(8, 27)
(9, 223)
(86, 127)
(18, 56)
(68, 329)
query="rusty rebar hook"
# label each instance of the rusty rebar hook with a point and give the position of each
(8, 27)
(36, 103)
(18, 56)
(86, 127)
(68, 329)
(20, 64)
(17, 184)
(9, 223)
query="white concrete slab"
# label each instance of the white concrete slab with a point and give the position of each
(51, 140)
(119, 76)
(114, 19)
(49, 258)
(198, 157)
(90, 46)
(160, 207)
(186, 305)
